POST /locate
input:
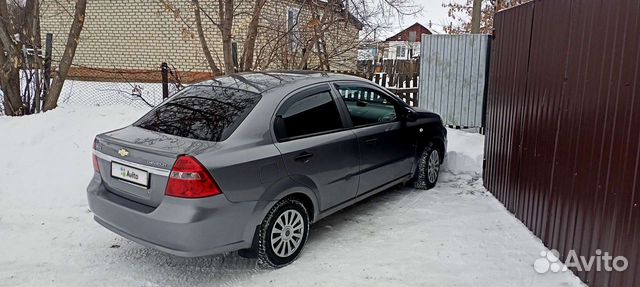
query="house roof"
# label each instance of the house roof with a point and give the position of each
(352, 18)
(393, 38)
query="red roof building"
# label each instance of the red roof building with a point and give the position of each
(405, 44)
(411, 34)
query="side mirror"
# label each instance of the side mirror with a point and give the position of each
(409, 115)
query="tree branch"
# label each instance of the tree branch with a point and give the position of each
(203, 41)
(51, 101)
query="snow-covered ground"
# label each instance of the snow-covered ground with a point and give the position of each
(456, 234)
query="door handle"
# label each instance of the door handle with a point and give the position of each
(303, 157)
(371, 141)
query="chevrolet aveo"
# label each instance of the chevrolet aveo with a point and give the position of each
(246, 162)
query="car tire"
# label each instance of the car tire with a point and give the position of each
(428, 168)
(283, 234)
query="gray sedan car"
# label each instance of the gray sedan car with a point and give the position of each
(246, 162)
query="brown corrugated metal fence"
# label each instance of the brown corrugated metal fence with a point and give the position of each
(563, 126)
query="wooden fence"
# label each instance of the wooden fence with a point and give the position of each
(367, 67)
(404, 86)
(399, 77)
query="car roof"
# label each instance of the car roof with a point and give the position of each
(259, 82)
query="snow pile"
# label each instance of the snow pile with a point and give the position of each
(465, 152)
(455, 234)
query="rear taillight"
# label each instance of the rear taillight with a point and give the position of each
(96, 167)
(189, 179)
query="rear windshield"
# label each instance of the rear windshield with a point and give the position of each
(201, 112)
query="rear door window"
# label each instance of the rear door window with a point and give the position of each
(201, 112)
(309, 114)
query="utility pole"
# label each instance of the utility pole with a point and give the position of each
(476, 14)
(375, 41)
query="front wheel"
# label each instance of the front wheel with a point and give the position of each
(283, 233)
(428, 169)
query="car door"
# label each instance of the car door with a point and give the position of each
(317, 149)
(386, 147)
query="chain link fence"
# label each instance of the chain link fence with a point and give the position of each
(101, 87)
(91, 93)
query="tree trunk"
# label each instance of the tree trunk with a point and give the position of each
(246, 63)
(10, 83)
(203, 41)
(32, 27)
(476, 14)
(225, 12)
(317, 28)
(51, 101)
(32, 33)
(9, 66)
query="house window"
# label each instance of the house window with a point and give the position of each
(412, 36)
(416, 50)
(401, 52)
(295, 42)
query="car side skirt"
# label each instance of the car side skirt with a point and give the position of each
(363, 196)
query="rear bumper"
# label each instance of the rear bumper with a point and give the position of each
(183, 227)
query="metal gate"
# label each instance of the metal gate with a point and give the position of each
(562, 143)
(453, 77)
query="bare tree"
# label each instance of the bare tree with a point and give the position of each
(10, 61)
(226, 14)
(248, 51)
(317, 26)
(223, 22)
(460, 12)
(20, 45)
(268, 40)
(321, 41)
(203, 41)
(51, 100)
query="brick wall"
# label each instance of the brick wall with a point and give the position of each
(139, 35)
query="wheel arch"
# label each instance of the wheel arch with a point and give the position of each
(306, 201)
(289, 188)
(438, 141)
(283, 188)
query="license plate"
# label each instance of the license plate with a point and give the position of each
(130, 174)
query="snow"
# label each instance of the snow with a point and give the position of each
(465, 152)
(455, 234)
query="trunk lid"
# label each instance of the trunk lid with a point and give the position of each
(135, 163)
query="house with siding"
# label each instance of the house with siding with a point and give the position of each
(135, 37)
(405, 44)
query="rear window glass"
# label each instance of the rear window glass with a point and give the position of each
(310, 115)
(201, 112)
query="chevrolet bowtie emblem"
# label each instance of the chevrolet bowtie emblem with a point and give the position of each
(123, 152)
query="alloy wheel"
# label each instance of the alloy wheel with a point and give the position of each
(433, 166)
(287, 233)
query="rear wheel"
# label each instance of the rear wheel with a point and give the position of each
(283, 233)
(428, 169)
